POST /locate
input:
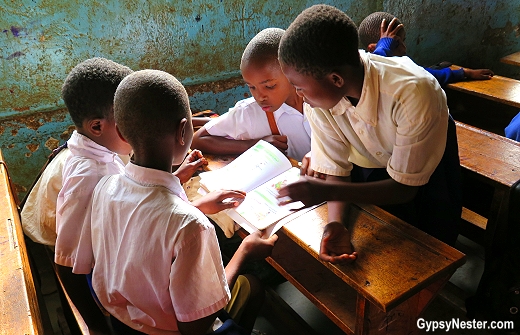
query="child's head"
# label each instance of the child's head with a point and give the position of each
(261, 70)
(152, 113)
(88, 92)
(370, 32)
(319, 55)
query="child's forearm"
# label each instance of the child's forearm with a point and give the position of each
(221, 146)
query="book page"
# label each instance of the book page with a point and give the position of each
(260, 207)
(254, 167)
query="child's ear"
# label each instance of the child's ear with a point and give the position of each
(181, 131)
(336, 79)
(95, 126)
(371, 47)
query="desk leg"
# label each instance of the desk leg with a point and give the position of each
(370, 320)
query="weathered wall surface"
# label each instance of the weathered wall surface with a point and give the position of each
(200, 42)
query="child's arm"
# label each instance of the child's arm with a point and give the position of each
(191, 164)
(253, 247)
(197, 327)
(214, 202)
(220, 145)
(478, 74)
(388, 40)
(446, 76)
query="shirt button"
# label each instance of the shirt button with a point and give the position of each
(361, 132)
(379, 153)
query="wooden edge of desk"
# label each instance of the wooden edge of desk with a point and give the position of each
(16, 244)
(457, 258)
(474, 87)
(512, 59)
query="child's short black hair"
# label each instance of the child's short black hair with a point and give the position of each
(319, 41)
(370, 27)
(264, 46)
(149, 104)
(88, 90)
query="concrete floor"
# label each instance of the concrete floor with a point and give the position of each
(450, 304)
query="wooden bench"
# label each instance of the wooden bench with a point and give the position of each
(499, 89)
(513, 59)
(20, 312)
(399, 271)
(490, 167)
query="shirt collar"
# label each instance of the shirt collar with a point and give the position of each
(81, 145)
(367, 106)
(152, 177)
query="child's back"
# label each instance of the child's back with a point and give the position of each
(274, 113)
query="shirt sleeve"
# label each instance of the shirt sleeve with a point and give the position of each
(328, 150)
(235, 124)
(422, 123)
(198, 285)
(385, 46)
(446, 75)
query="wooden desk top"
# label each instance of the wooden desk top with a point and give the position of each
(500, 89)
(395, 261)
(513, 59)
(18, 303)
(489, 154)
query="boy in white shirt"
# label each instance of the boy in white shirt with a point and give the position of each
(381, 132)
(274, 113)
(158, 267)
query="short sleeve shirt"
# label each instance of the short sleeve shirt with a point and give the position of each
(157, 258)
(399, 123)
(87, 164)
(248, 121)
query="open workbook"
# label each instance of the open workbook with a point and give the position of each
(260, 171)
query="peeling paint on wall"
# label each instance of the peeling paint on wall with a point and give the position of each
(200, 42)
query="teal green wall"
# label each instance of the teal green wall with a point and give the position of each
(200, 42)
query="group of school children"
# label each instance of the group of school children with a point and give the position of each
(367, 127)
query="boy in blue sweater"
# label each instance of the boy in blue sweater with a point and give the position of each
(383, 34)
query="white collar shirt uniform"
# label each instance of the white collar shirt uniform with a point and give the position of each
(248, 121)
(39, 212)
(399, 123)
(86, 165)
(157, 258)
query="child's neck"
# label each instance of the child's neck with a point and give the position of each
(153, 160)
(295, 101)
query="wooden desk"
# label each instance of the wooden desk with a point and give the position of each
(20, 313)
(499, 89)
(493, 161)
(399, 271)
(513, 59)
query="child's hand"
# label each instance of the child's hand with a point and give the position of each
(217, 201)
(390, 29)
(335, 244)
(279, 141)
(255, 246)
(479, 74)
(192, 163)
(305, 168)
(310, 191)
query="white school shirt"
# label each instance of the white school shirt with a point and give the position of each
(248, 121)
(157, 258)
(400, 123)
(86, 165)
(39, 212)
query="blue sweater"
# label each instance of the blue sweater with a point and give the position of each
(444, 76)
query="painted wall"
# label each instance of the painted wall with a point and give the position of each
(200, 42)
